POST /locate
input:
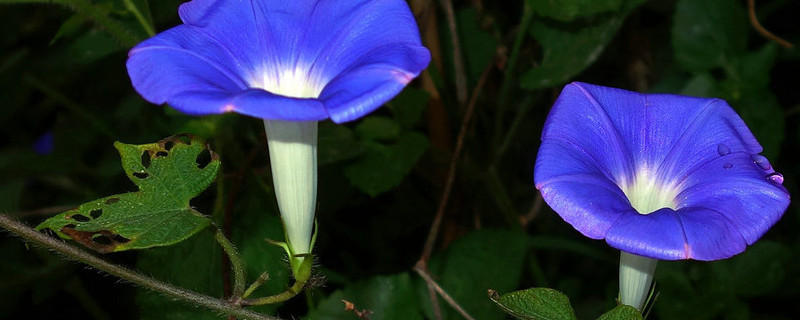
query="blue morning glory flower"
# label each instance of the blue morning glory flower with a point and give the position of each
(656, 175)
(291, 63)
(296, 60)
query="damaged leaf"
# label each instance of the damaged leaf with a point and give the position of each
(169, 174)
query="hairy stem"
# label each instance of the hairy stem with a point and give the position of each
(236, 263)
(76, 254)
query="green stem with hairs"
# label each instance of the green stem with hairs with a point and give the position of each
(76, 254)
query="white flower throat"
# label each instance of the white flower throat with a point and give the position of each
(647, 194)
(293, 83)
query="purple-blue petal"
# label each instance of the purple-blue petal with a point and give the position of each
(738, 189)
(596, 138)
(360, 54)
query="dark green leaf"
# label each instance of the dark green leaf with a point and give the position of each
(169, 174)
(193, 264)
(475, 263)
(336, 143)
(570, 48)
(535, 304)
(386, 297)
(568, 10)
(708, 33)
(377, 128)
(251, 229)
(478, 46)
(92, 45)
(409, 105)
(384, 166)
(622, 312)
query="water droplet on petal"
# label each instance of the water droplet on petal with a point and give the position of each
(775, 177)
(723, 149)
(727, 165)
(761, 161)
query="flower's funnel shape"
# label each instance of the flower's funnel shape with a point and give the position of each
(286, 62)
(656, 175)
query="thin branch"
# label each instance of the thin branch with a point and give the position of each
(451, 170)
(227, 221)
(533, 212)
(76, 254)
(420, 269)
(237, 265)
(458, 60)
(751, 10)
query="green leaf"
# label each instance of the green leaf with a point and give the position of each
(69, 27)
(478, 46)
(384, 166)
(622, 312)
(568, 10)
(570, 48)
(386, 297)
(535, 304)
(377, 128)
(336, 143)
(252, 226)
(408, 106)
(194, 264)
(169, 174)
(91, 46)
(475, 263)
(707, 33)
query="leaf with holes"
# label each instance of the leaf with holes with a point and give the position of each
(169, 174)
(535, 304)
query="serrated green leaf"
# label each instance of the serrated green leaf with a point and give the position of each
(622, 312)
(570, 48)
(475, 263)
(377, 128)
(169, 174)
(384, 166)
(386, 297)
(535, 304)
(708, 33)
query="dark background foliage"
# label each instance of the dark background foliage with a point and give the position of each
(62, 75)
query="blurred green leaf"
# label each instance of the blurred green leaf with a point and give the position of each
(409, 106)
(169, 174)
(10, 192)
(701, 85)
(250, 230)
(91, 46)
(377, 128)
(69, 27)
(756, 272)
(570, 48)
(475, 263)
(622, 312)
(568, 10)
(535, 304)
(707, 33)
(336, 143)
(478, 46)
(386, 297)
(383, 167)
(194, 264)
(100, 13)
